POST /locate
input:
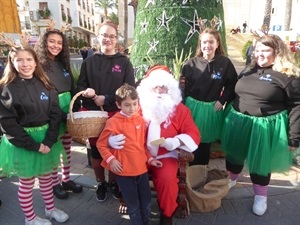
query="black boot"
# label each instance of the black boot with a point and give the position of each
(60, 192)
(164, 220)
(71, 186)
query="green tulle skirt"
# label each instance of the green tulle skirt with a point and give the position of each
(261, 141)
(64, 103)
(208, 121)
(15, 161)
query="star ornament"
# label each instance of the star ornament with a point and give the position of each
(152, 45)
(194, 26)
(148, 2)
(164, 21)
(144, 26)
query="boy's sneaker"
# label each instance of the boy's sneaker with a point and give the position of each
(37, 221)
(101, 191)
(57, 214)
(260, 205)
(115, 190)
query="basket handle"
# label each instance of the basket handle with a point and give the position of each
(72, 103)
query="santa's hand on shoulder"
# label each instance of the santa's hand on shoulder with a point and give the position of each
(116, 141)
(171, 143)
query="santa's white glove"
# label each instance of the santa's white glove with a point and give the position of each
(171, 144)
(116, 141)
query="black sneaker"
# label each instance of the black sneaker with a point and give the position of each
(101, 191)
(115, 190)
(71, 186)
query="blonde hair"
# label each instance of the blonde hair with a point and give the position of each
(284, 61)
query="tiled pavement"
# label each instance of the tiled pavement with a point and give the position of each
(283, 201)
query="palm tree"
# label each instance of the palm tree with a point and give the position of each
(267, 15)
(288, 14)
(114, 18)
(125, 24)
(105, 5)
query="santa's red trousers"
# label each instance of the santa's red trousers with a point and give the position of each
(166, 185)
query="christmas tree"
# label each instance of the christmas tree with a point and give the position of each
(168, 29)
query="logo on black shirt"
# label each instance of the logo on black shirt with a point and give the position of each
(44, 96)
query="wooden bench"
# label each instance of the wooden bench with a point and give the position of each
(182, 210)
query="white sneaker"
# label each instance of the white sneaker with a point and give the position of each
(231, 183)
(57, 214)
(260, 205)
(37, 221)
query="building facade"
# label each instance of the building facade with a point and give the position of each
(35, 15)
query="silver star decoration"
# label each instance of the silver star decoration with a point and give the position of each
(135, 45)
(152, 46)
(150, 1)
(164, 21)
(219, 24)
(144, 26)
(194, 26)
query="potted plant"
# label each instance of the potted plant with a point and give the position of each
(45, 13)
(69, 19)
(63, 16)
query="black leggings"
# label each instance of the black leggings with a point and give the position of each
(202, 154)
(255, 178)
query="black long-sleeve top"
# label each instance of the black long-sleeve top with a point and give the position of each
(105, 74)
(209, 81)
(62, 80)
(27, 103)
(263, 92)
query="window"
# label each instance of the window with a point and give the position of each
(43, 5)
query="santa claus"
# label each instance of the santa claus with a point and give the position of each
(170, 127)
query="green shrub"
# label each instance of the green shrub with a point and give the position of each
(244, 49)
(75, 71)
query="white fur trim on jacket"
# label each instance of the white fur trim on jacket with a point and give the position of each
(189, 143)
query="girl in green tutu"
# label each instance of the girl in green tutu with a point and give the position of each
(30, 117)
(262, 126)
(53, 52)
(209, 80)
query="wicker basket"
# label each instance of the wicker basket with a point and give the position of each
(85, 124)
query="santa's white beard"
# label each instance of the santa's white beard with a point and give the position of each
(157, 107)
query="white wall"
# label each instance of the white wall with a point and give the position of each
(252, 11)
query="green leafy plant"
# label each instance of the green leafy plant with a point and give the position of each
(244, 49)
(75, 68)
(179, 61)
(70, 19)
(63, 16)
(45, 13)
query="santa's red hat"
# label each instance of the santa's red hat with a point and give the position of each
(157, 67)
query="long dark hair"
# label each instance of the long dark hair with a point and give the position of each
(42, 50)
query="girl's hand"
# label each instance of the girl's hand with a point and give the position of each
(44, 149)
(218, 106)
(99, 100)
(89, 93)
